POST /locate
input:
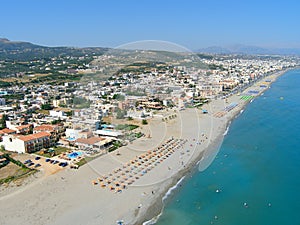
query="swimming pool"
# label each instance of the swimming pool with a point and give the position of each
(74, 155)
(71, 139)
(107, 126)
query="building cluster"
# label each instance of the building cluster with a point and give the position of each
(37, 117)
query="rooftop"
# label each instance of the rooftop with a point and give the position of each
(23, 127)
(7, 131)
(44, 127)
(90, 141)
(32, 137)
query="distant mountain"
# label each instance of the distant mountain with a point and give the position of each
(18, 50)
(250, 50)
(8, 45)
(214, 49)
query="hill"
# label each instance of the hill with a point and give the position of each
(24, 51)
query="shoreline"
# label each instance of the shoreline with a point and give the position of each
(156, 210)
(69, 196)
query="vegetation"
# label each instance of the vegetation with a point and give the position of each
(144, 122)
(81, 103)
(120, 114)
(133, 136)
(127, 127)
(22, 172)
(53, 151)
(140, 67)
(12, 97)
(205, 56)
(116, 145)
(2, 121)
(139, 134)
(23, 63)
(215, 67)
(46, 107)
(119, 97)
(56, 121)
(86, 159)
(27, 51)
(42, 111)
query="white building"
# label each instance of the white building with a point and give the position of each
(57, 113)
(27, 143)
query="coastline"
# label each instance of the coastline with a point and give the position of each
(69, 197)
(156, 209)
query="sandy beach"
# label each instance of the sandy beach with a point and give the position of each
(71, 197)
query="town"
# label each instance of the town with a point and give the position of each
(51, 126)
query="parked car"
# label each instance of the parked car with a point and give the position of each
(27, 161)
(31, 164)
(47, 160)
(37, 158)
(37, 165)
(63, 164)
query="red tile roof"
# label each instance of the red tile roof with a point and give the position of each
(23, 127)
(44, 127)
(7, 131)
(32, 137)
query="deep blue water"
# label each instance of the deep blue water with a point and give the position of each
(258, 164)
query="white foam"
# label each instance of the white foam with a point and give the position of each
(227, 129)
(169, 192)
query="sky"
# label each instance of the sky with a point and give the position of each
(193, 24)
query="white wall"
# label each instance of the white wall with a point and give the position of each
(72, 133)
(11, 143)
(57, 113)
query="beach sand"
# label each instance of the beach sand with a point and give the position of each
(69, 197)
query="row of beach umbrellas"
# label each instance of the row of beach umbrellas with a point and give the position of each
(137, 167)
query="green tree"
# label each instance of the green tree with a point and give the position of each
(81, 103)
(47, 107)
(144, 122)
(69, 113)
(120, 113)
(3, 121)
(119, 97)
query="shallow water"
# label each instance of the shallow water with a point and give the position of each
(257, 165)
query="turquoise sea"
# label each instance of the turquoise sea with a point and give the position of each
(255, 179)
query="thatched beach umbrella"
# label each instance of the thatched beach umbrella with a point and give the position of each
(94, 182)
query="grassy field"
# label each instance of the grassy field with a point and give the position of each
(43, 111)
(56, 151)
(127, 127)
(14, 171)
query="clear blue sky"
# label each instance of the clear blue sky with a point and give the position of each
(193, 24)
